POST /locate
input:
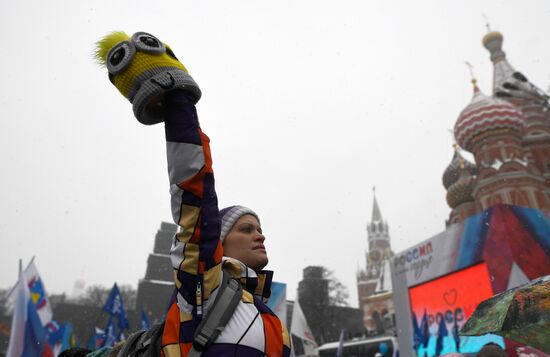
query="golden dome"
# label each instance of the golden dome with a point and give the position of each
(493, 35)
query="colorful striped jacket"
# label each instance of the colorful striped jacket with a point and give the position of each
(197, 252)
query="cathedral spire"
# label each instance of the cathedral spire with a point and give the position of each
(507, 82)
(503, 71)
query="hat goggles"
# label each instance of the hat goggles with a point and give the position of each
(120, 56)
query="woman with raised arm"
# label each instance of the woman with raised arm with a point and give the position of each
(210, 245)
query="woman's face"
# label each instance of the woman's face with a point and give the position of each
(245, 242)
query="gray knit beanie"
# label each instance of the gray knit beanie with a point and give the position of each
(230, 215)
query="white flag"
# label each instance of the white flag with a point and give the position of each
(38, 294)
(21, 297)
(300, 329)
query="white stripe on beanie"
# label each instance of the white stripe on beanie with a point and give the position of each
(230, 215)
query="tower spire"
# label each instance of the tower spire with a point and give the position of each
(376, 215)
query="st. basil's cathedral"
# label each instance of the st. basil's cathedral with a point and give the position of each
(508, 135)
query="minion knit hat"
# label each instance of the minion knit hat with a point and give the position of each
(230, 215)
(143, 69)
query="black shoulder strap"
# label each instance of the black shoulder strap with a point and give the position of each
(149, 343)
(218, 315)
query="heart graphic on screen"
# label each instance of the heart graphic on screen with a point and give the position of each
(450, 297)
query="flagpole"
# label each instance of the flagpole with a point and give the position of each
(19, 275)
(17, 282)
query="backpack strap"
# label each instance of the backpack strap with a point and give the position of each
(130, 343)
(218, 316)
(147, 343)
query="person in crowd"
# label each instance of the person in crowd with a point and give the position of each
(210, 243)
(491, 350)
(74, 352)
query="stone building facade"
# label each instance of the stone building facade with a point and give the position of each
(156, 288)
(326, 321)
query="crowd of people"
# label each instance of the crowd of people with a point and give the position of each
(489, 350)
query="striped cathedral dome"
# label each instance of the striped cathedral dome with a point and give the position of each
(484, 115)
(462, 190)
(452, 172)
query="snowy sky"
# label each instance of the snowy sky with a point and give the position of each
(308, 105)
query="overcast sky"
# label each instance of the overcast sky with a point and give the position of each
(308, 104)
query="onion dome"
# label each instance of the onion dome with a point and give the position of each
(485, 114)
(452, 172)
(493, 42)
(462, 190)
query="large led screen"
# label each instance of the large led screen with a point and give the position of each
(442, 306)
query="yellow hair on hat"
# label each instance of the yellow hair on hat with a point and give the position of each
(144, 69)
(104, 45)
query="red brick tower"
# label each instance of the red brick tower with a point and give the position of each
(374, 283)
(378, 236)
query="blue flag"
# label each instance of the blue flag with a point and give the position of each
(35, 335)
(68, 339)
(60, 337)
(110, 336)
(442, 332)
(96, 339)
(55, 332)
(145, 325)
(115, 307)
(120, 336)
